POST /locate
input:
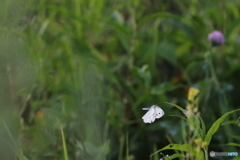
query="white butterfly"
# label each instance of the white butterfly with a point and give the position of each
(154, 112)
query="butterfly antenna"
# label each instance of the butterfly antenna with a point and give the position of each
(157, 104)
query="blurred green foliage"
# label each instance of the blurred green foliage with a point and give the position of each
(75, 75)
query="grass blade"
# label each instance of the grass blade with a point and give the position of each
(65, 154)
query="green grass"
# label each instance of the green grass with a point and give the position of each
(92, 65)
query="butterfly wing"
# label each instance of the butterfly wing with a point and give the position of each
(158, 112)
(149, 117)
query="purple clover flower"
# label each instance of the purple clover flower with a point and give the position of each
(216, 37)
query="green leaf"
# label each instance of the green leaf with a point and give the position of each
(179, 117)
(191, 65)
(216, 125)
(167, 51)
(232, 27)
(145, 74)
(180, 108)
(159, 15)
(236, 158)
(233, 136)
(233, 144)
(193, 122)
(122, 33)
(229, 122)
(183, 147)
(184, 48)
(202, 126)
(163, 88)
(174, 156)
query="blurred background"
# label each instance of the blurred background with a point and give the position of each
(75, 75)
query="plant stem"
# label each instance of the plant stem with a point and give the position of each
(222, 94)
(213, 72)
(206, 153)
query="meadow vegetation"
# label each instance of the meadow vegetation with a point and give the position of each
(75, 75)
